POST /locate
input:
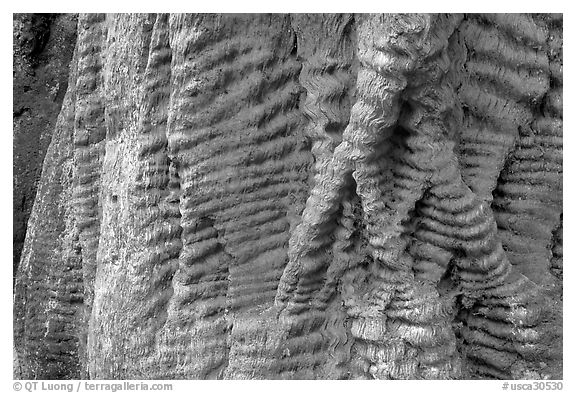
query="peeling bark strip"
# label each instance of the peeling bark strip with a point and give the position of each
(300, 196)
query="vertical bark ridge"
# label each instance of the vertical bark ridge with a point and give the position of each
(48, 291)
(317, 343)
(89, 137)
(232, 133)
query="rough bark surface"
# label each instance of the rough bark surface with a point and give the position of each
(303, 197)
(43, 45)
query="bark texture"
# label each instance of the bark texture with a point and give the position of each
(43, 45)
(300, 196)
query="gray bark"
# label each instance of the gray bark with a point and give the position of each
(300, 196)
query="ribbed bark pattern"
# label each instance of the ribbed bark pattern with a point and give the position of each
(316, 343)
(49, 291)
(300, 197)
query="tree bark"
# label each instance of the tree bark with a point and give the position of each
(302, 197)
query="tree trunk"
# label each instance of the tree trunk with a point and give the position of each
(300, 196)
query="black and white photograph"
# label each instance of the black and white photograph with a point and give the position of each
(287, 196)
